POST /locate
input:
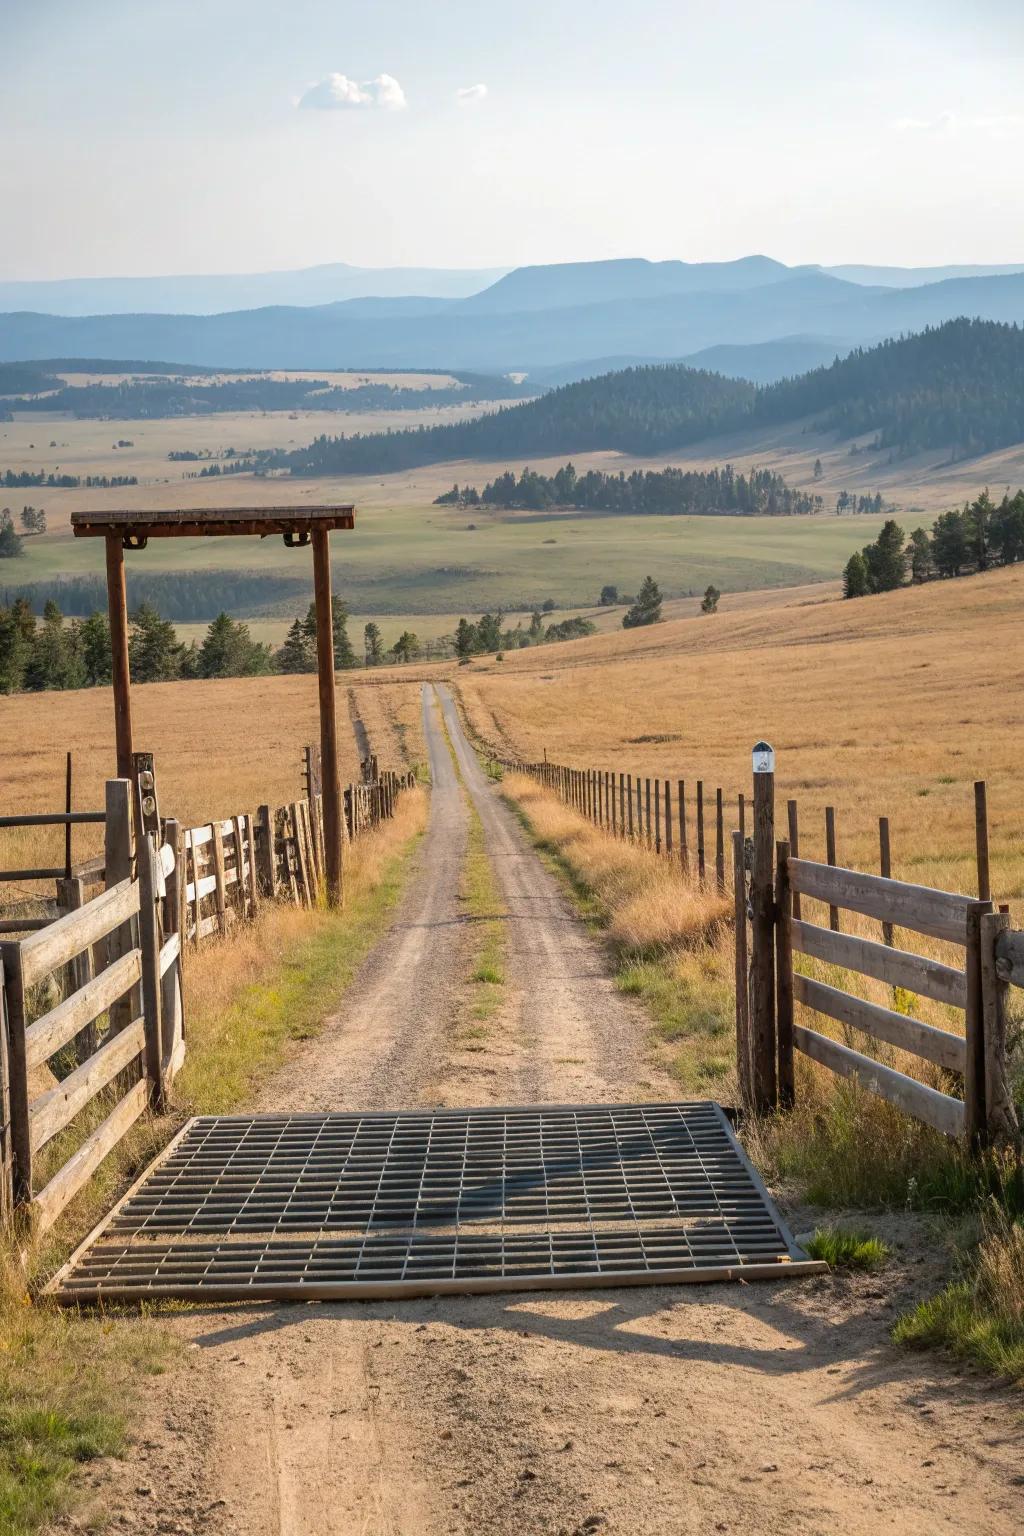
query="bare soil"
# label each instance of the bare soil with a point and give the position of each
(739, 1408)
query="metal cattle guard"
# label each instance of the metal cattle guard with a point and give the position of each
(422, 1202)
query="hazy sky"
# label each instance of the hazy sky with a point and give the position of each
(156, 136)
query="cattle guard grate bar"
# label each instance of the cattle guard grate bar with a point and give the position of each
(424, 1202)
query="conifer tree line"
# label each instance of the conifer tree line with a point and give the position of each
(487, 636)
(52, 652)
(669, 492)
(981, 536)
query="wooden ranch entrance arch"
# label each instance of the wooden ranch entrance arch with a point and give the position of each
(298, 527)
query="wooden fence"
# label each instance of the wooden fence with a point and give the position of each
(770, 882)
(112, 1025)
(92, 1031)
(643, 810)
(276, 853)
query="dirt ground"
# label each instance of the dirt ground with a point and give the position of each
(739, 1408)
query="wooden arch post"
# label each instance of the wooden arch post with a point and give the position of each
(331, 775)
(117, 606)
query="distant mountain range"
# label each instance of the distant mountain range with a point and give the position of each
(211, 294)
(749, 317)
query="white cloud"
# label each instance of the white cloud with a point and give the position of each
(948, 125)
(471, 93)
(337, 93)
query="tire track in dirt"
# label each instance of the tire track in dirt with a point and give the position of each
(776, 1410)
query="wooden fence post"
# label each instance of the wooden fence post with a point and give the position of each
(118, 865)
(219, 889)
(622, 805)
(719, 842)
(793, 817)
(71, 898)
(885, 869)
(1003, 1127)
(149, 944)
(684, 852)
(742, 995)
(975, 1117)
(830, 858)
(668, 819)
(701, 862)
(762, 962)
(647, 811)
(6, 1151)
(21, 1134)
(981, 839)
(657, 815)
(171, 998)
(784, 976)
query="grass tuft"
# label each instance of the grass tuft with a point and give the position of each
(979, 1317)
(842, 1249)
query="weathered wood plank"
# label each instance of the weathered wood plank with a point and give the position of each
(55, 945)
(898, 967)
(924, 1040)
(1010, 958)
(49, 1033)
(80, 1167)
(52, 1111)
(218, 870)
(939, 914)
(170, 952)
(935, 1109)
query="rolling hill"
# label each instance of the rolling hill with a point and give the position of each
(958, 388)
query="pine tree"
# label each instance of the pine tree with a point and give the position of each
(951, 543)
(14, 652)
(818, 471)
(230, 651)
(466, 640)
(920, 556)
(406, 647)
(885, 559)
(647, 608)
(711, 600)
(94, 648)
(488, 632)
(11, 545)
(373, 645)
(154, 651)
(54, 661)
(855, 576)
(298, 653)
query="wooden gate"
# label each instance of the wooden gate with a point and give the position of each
(918, 910)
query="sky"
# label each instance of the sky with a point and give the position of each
(174, 136)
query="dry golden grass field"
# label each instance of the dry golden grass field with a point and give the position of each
(890, 705)
(221, 747)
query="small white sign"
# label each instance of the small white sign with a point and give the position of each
(764, 758)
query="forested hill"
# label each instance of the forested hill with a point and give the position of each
(958, 388)
(638, 410)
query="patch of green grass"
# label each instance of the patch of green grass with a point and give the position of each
(481, 902)
(63, 1401)
(980, 1316)
(840, 1248)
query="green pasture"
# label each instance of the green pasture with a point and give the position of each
(408, 560)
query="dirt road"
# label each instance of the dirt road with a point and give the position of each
(748, 1409)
